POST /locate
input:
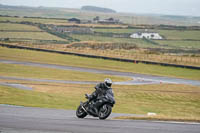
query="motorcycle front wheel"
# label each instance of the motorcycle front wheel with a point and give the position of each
(80, 113)
(105, 111)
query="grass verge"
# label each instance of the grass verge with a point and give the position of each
(159, 118)
(14, 70)
(19, 97)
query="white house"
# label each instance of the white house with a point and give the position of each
(147, 35)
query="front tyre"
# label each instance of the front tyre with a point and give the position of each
(105, 111)
(80, 113)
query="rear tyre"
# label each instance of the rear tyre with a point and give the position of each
(105, 111)
(80, 113)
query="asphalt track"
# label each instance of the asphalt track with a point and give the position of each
(16, 119)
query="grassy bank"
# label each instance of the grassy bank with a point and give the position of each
(49, 73)
(34, 56)
(167, 101)
(14, 96)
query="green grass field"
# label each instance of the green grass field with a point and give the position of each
(179, 44)
(30, 35)
(22, 33)
(33, 20)
(33, 56)
(18, 27)
(180, 34)
(169, 100)
(49, 73)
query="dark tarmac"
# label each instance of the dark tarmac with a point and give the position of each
(17, 119)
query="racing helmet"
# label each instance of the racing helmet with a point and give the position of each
(108, 82)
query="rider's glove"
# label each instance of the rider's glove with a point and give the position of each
(87, 96)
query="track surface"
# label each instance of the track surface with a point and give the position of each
(14, 119)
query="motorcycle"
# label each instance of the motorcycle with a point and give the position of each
(103, 110)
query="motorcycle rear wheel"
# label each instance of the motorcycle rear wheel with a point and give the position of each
(105, 111)
(80, 113)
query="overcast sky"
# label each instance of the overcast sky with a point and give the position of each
(171, 7)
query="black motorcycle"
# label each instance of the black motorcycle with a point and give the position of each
(103, 110)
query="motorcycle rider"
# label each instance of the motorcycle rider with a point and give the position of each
(99, 94)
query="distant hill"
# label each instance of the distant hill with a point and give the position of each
(97, 9)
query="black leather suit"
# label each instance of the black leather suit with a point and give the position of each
(100, 91)
(99, 94)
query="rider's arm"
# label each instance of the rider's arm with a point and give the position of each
(98, 88)
(95, 93)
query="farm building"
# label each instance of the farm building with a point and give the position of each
(147, 35)
(74, 20)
